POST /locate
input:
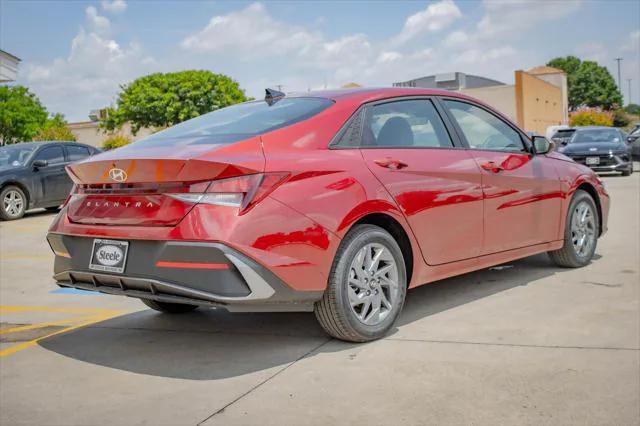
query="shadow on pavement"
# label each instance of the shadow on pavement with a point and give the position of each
(214, 344)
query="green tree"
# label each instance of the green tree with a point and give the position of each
(161, 100)
(21, 114)
(590, 84)
(55, 129)
(633, 109)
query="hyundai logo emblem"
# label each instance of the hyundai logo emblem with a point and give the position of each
(118, 175)
(593, 149)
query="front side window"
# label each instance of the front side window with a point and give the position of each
(52, 155)
(236, 123)
(405, 124)
(15, 155)
(484, 130)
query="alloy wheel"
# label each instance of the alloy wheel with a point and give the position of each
(373, 284)
(583, 229)
(13, 203)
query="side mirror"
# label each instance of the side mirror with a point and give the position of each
(541, 145)
(40, 163)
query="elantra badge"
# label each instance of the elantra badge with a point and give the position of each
(118, 175)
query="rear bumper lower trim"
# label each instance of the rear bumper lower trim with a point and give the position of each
(241, 285)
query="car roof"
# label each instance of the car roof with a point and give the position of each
(369, 94)
(44, 143)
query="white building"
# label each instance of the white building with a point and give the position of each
(8, 67)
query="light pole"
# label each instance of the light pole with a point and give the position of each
(629, 91)
(619, 81)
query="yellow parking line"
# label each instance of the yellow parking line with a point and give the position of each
(25, 257)
(8, 309)
(46, 324)
(24, 345)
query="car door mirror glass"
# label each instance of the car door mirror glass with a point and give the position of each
(542, 144)
(40, 163)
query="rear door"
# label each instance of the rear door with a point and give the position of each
(435, 183)
(522, 197)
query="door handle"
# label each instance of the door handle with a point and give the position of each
(390, 163)
(491, 166)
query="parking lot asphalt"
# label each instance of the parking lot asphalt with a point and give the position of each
(526, 343)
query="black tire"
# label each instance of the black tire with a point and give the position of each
(334, 311)
(5, 212)
(52, 209)
(567, 256)
(169, 308)
(628, 172)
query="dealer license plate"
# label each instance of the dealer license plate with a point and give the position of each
(109, 255)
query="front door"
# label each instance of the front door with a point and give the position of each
(522, 197)
(436, 185)
(53, 180)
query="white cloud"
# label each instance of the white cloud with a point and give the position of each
(516, 16)
(593, 51)
(97, 22)
(456, 39)
(89, 77)
(114, 6)
(633, 43)
(435, 17)
(241, 43)
(250, 32)
(389, 57)
(481, 56)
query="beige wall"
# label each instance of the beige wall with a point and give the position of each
(89, 133)
(559, 80)
(501, 98)
(538, 103)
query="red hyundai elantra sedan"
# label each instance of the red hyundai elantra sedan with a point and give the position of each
(334, 202)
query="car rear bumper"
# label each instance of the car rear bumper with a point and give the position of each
(199, 273)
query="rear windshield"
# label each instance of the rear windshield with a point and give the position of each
(237, 122)
(564, 133)
(596, 135)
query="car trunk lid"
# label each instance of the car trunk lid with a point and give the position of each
(130, 187)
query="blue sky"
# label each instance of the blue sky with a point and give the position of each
(77, 53)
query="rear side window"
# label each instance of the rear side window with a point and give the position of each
(77, 153)
(564, 133)
(405, 124)
(237, 122)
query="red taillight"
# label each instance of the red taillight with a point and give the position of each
(242, 192)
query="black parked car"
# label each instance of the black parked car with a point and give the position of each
(32, 175)
(602, 148)
(634, 142)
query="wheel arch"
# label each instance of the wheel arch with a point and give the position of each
(397, 231)
(22, 187)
